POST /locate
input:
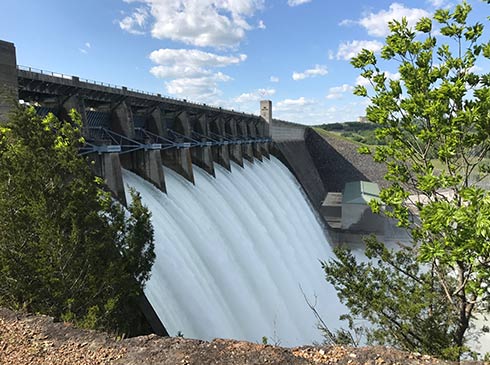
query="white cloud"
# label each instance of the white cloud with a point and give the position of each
(476, 69)
(179, 71)
(85, 48)
(338, 91)
(288, 104)
(261, 25)
(175, 63)
(331, 55)
(135, 23)
(362, 81)
(392, 76)
(314, 112)
(192, 72)
(254, 96)
(376, 24)
(346, 22)
(201, 89)
(348, 50)
(203, 23)
(437, 3)
(318, 70)
(297, 2)
(302, 110)
(274, 79)
(347, 112)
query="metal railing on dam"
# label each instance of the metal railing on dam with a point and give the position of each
(29, 75)
(32, 81)
(116, 112)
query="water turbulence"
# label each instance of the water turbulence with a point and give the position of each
(235, 254)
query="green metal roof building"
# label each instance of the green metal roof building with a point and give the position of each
(360, 192)
(356, 213)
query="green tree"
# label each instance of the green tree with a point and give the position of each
(435, 121)
(66, 248)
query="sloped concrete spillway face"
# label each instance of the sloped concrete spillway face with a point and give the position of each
(234, 254)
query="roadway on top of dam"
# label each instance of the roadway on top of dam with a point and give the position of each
(49, 90)
(34, 81)
(223, 126)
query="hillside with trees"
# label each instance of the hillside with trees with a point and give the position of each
(355, 131)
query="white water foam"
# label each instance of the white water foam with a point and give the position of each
(234, 254)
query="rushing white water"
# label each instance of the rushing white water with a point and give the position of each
(234, 254)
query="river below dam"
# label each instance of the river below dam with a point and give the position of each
(236, 253)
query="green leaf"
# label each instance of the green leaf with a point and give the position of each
(364, 150)
(360, 90)
(486, 50)
(424, 25)
(442, 15)
(363, 59)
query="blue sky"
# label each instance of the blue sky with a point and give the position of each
(229, 53)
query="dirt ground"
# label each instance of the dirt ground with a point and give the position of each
(35, 340)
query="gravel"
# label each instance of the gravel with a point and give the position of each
(34, 339)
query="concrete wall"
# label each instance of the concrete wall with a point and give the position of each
(338, 162)
(147, 164)
(203, 157)
(282, 131)
(322, 164)
(122, 120)
(108, 166)
(296, 156)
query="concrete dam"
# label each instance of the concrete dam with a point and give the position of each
(234, 198)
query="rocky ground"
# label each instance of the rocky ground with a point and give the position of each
(34, 340)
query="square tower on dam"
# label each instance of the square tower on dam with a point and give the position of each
(8, 78)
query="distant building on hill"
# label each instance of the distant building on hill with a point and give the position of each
(362, 119)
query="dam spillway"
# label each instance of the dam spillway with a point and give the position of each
(235, 254)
